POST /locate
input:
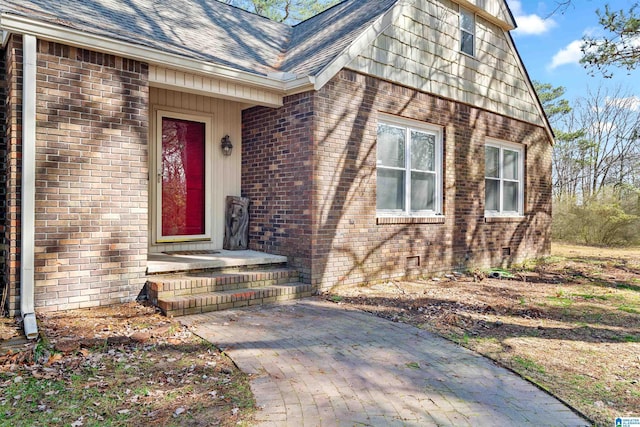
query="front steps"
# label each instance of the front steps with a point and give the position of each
(193, 293)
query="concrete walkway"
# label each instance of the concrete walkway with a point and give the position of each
(317, 364)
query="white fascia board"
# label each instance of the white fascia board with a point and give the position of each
(46, 31)
(360, 43)
(532, 90)
(5, 38)
(299, 85)
(508, 25)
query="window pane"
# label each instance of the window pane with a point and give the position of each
(466, 43)
(390, 190)
(391, 146)
(510, 202)
(423, 191)
(492, 195)
(491, 162)
(467, 21)
(510, 164)
(423, 151)
(183, 177)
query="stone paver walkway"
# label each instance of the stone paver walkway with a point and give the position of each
(318, 364)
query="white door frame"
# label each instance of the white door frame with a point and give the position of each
(156, 175)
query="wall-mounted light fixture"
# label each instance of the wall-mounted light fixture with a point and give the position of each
(226, 145)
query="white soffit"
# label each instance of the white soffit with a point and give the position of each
(276, 83)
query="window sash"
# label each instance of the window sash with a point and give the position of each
(500, 203)
(467, 32)
(402, 201)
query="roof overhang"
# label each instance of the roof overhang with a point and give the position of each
(547, 125)
(360, 43)
(4, 37)
(500, 15)
(281, 84)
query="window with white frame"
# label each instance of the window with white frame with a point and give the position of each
(409, 168)
(504, 179)
(467, 32)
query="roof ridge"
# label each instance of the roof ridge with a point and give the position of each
(318, 14)
(316, 41)
(252, 13)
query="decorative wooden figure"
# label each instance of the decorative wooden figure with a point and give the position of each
(236, 233)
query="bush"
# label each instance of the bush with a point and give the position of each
(609, 218)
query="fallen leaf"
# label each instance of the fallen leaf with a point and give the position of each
(67, 346)
(53, 359)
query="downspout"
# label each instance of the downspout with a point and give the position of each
(27, 207)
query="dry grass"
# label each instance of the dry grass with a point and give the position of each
(119, 366)
(569, 323)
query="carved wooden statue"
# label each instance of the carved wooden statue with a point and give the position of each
(236, 233)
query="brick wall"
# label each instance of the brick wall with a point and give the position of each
(91, 183)
(351, 247)
(12, 197)
(330, 230)
(3, 174)
(277, 172)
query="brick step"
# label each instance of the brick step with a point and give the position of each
(222, 300)
(162, 287)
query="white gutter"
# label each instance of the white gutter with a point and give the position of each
(27, 208)
(23, 25)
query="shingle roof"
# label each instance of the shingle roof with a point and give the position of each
(318, 40)
(213, 31)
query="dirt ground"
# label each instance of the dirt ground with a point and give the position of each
(118, 366)
(570, 323)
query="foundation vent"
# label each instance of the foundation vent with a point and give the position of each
(413, 261)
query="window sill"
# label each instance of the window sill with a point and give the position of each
(504, 218)
(410, 220)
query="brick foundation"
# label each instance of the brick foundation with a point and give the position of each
(346, 241)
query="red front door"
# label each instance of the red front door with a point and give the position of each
(183, 179)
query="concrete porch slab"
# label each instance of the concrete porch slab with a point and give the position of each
(162, 263)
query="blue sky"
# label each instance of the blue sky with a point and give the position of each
(549, 44)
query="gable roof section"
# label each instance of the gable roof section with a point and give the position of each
(213, 38)
(212, 31)
(320, 39)
(207, 30)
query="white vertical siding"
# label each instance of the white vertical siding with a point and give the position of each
(209, 86)
(226, 171)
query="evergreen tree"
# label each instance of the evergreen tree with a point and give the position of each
(620, 47)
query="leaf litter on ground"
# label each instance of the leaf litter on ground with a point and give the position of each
(568, 323)
(125, 364)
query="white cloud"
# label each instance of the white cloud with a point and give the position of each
(531, 24)
(571, 54)
(629, 103)
(599, 128)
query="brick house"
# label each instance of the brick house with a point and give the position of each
(377, 140)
